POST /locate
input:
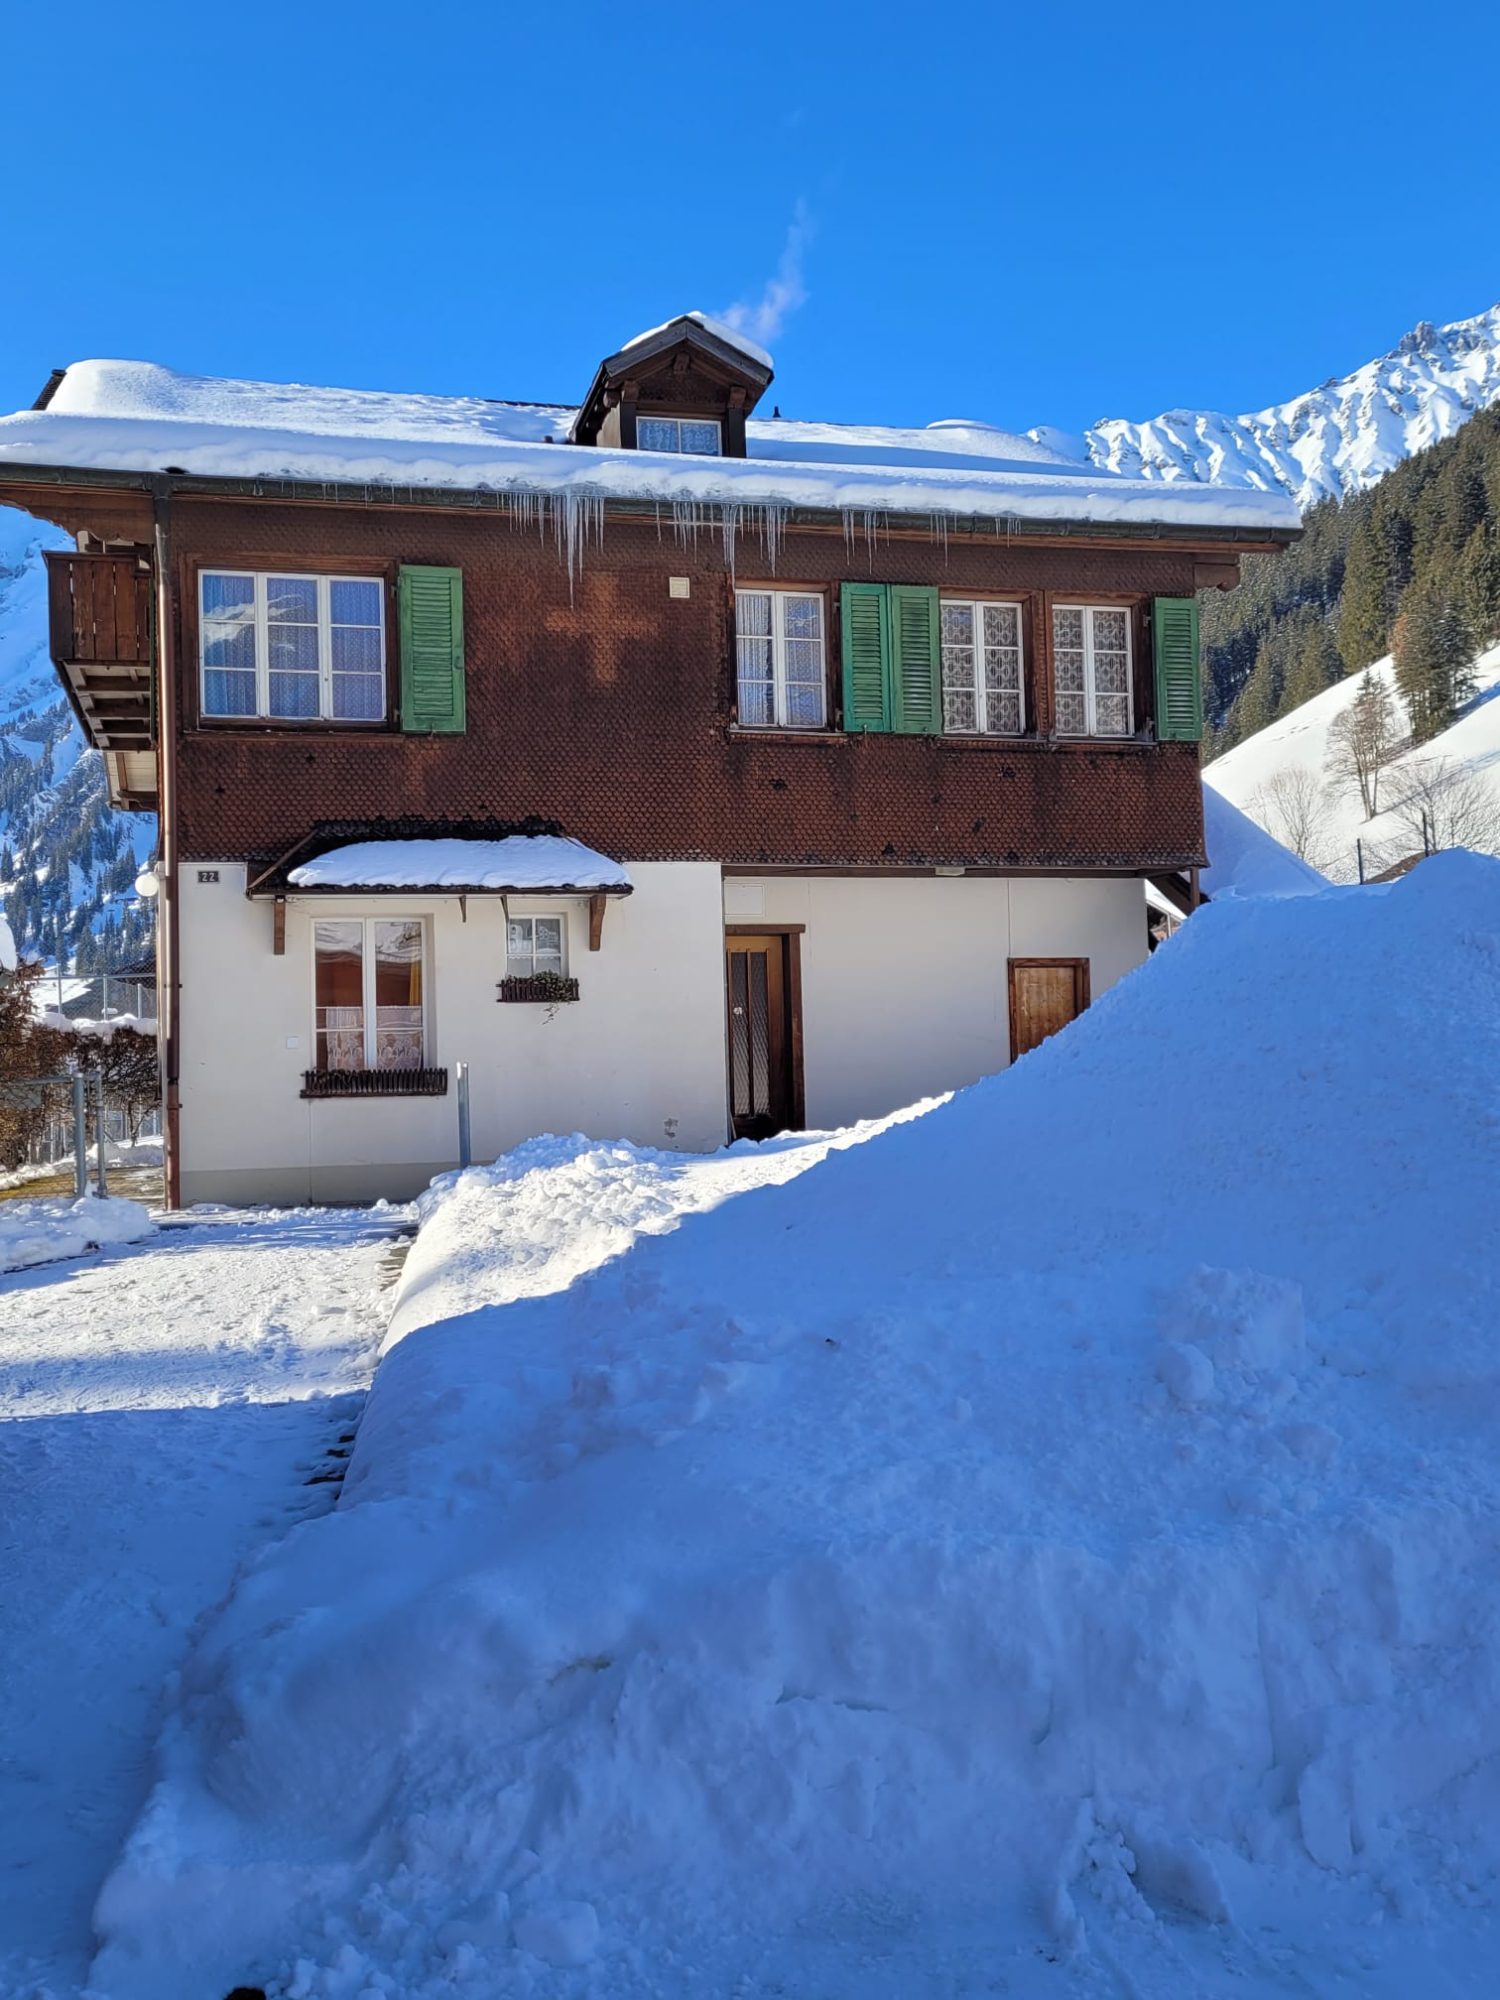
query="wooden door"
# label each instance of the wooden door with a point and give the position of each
(764, 1097)
(1045, 994)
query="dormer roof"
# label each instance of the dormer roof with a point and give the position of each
(735, 368)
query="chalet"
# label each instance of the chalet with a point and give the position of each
(685, 772)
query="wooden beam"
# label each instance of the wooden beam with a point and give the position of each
(596, 921)
(278, 927)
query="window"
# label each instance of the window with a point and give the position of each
(368, 992)
(699, 435)
(296, 648)
(533, 945)
(981, 668)
(783, 683)
(1091, 669)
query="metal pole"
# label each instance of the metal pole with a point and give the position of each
(103, 1181)
(1359, 851)
(80, 1139)
(465, 1150)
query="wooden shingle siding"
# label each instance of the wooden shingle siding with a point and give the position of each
(608, 707)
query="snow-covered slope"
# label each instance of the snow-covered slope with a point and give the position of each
(1274, 775)
(1333, 440)
(1046, 1548)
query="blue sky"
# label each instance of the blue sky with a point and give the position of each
(1025, 215)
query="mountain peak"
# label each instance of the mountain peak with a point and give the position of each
(1329, 441)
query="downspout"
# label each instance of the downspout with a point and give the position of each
(167, 945)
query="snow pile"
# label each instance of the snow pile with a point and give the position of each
(9, 959)
(521, 862)
(1245, 860)
(1048, 1542)
(39, 1232)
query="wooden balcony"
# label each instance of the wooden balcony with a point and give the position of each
(100, 609)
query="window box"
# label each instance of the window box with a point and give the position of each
(548, 988)
(375, 1083)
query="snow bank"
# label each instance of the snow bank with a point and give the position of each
(38, 1232)
(9, 958)
(1049, 1541)
(1245, 860)
(520, 862)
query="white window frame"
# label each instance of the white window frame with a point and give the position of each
(661, 417)
(1089, 710)
(780, 715)
(259, 578)
(367, 981)
(976, 607)
(533, 918)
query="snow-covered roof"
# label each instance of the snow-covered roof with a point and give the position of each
(1245, 860)
(134, 416)
(720, 329)
(523, 863)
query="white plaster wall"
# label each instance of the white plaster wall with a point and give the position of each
(640, 1055)
(904, 994)
(904, 982)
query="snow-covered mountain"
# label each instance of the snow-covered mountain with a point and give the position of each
(65, 858)
(1328, 442)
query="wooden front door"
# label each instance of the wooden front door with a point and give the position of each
(764, 1035)
(1045, 994)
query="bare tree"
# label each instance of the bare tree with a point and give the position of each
(1294, 806)
(1446, 804)
(1363, 741)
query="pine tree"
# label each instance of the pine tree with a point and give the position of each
(1318, 665)
(1479, 583)
(1434, 648)
(1362, 621)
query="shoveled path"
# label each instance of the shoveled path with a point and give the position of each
(163, 1408)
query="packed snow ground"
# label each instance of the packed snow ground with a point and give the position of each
(1045, 1547)
(164, 1405)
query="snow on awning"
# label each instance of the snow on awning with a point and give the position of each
(520, 864)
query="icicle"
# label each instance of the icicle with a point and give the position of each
(729, 520)
(772, 516)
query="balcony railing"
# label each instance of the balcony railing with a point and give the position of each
(99, 607)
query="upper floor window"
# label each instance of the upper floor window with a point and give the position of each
(699, 435)
(292, 648)
(982, 692)
(783, 680)
(1091, 669)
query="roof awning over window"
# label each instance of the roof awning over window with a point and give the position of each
(517, 865)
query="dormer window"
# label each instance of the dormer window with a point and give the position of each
(698, 435)
(685, 387)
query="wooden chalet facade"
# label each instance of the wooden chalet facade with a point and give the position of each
(867, 787)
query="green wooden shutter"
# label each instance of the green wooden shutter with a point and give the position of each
(431, 606)
(866, 621)
(916, 673)
(1179, 689)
